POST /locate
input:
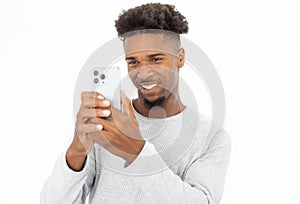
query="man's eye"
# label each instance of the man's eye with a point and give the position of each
(156, 59)
(132, 62)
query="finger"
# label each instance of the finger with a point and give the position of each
(89, 128)
(93, 113)
(93, 120)
(125, 125)
(91, 94)
(107, 124)
(126, 102)
(116, 114)
(95, 103)
(127, 106)
(132, 114)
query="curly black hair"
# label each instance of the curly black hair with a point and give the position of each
(152, 16)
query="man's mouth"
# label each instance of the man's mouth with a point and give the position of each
(148, 86)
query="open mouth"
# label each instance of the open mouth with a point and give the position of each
(148, 86)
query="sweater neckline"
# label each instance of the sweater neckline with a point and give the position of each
(171, 118)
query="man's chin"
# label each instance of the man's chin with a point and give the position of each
(154, 101)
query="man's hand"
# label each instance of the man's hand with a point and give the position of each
(120, 135)
(92, 105)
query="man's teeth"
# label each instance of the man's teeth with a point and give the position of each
(150, 86)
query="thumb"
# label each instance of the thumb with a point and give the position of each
(127, 107)
(126, 102)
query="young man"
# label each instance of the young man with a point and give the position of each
(157, 150)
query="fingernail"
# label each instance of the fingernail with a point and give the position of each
(106, 112)
(99, 127)
(106, 102)
(100, 97)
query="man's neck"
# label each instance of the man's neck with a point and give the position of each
(171, 106)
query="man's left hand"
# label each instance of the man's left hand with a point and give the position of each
(120, 135)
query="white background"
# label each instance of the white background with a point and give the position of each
(254, 46)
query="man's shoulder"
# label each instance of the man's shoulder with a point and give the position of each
(195, 118)
(207, 130)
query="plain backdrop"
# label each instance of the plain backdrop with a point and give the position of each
(254, 46)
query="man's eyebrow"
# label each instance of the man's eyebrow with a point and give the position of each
(130, 58)
(149, 56)
(156, 54)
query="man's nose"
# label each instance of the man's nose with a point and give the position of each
(144, 72)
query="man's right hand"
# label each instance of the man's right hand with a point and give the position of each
(92, 106)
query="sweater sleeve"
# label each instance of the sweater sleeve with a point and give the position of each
(67, 186)
(203, 180)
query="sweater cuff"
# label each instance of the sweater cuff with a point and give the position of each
(147, 150)
(68, 171)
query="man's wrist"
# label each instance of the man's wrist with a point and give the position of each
(131, 157)
(75, 159)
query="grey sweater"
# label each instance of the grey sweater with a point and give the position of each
(184, 160)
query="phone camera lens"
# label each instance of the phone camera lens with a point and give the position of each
(102, 76)
(96, 81)
(95, 72)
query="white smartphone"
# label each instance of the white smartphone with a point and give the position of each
(107, 82)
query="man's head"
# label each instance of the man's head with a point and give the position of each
(152, 47)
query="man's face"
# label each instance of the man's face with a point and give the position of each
(153, 66)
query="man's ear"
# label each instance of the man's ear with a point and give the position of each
(181, 57)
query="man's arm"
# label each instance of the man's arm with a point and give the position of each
(71, 179)
(66, 185)
(202, 182)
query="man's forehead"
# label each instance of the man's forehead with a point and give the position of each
(147, 53)
(148, 42)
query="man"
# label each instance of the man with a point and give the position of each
(157, 150)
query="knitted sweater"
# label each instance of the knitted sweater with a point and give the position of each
(184, 160)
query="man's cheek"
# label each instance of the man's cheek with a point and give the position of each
(132, 75)
(133, 80)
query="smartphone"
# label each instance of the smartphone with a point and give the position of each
(107, 82)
